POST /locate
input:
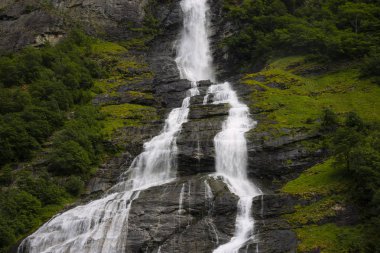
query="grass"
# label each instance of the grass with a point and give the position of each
(122, 115)
(315, 212)
(104, 48)
(327, 184)
(330, 238)
(299, 105)
(322, 179)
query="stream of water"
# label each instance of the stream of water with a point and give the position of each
(231, 163)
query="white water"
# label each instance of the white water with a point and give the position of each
(231, 163)
(194, 58)
(102, 225)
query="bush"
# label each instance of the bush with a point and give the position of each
(37, 86)
(6, 177)
(69, 158)
(371, 66)
(41, 186)
(333, 30)
(329, 121)
(19, 211)
(74, 185)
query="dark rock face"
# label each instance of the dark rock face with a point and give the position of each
(196, 152)
(21, 25)
(108, 17)
(171, 91)
(158, 223)
(280, 158)
(273, 234)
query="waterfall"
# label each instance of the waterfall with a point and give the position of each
(194, 58)
(102, 225)
(231, 163)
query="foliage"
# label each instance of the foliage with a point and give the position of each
(69, 158)
(291, 101)
(18, 214)
(329, 121)
(37, 86)
(45, 115)
(331, 29)
(330, 238)
(371, 66)
(74, 185)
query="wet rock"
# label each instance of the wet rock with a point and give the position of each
(158, 222)
(196, 153)
(172, 91)
(208, 111)
(122, 98)
(272, 205)
(108, 173)
(282, 157)
(280, 86)
(277, 241)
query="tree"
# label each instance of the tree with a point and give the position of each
(329, 121)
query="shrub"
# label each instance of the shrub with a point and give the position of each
(69, 158)
(74, 185)
(329, 121)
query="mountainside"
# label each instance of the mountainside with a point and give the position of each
(87, 89)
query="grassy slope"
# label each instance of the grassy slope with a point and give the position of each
(299, 105)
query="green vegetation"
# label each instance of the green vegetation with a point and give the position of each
(330, 238)
(328, 29)
(351, 177)
(321, 179)
(51, 137)
(291, 100)
(37, 87)
(118, 116)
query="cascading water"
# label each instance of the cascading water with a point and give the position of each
(194, 58)
(231, 163)
(102, 225)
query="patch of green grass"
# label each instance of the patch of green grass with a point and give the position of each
(106, 85)
(315, 212)
(118, 116)
(321, 179)
(104, 48)
(330, 238)
(132, 111)
(144, 95)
